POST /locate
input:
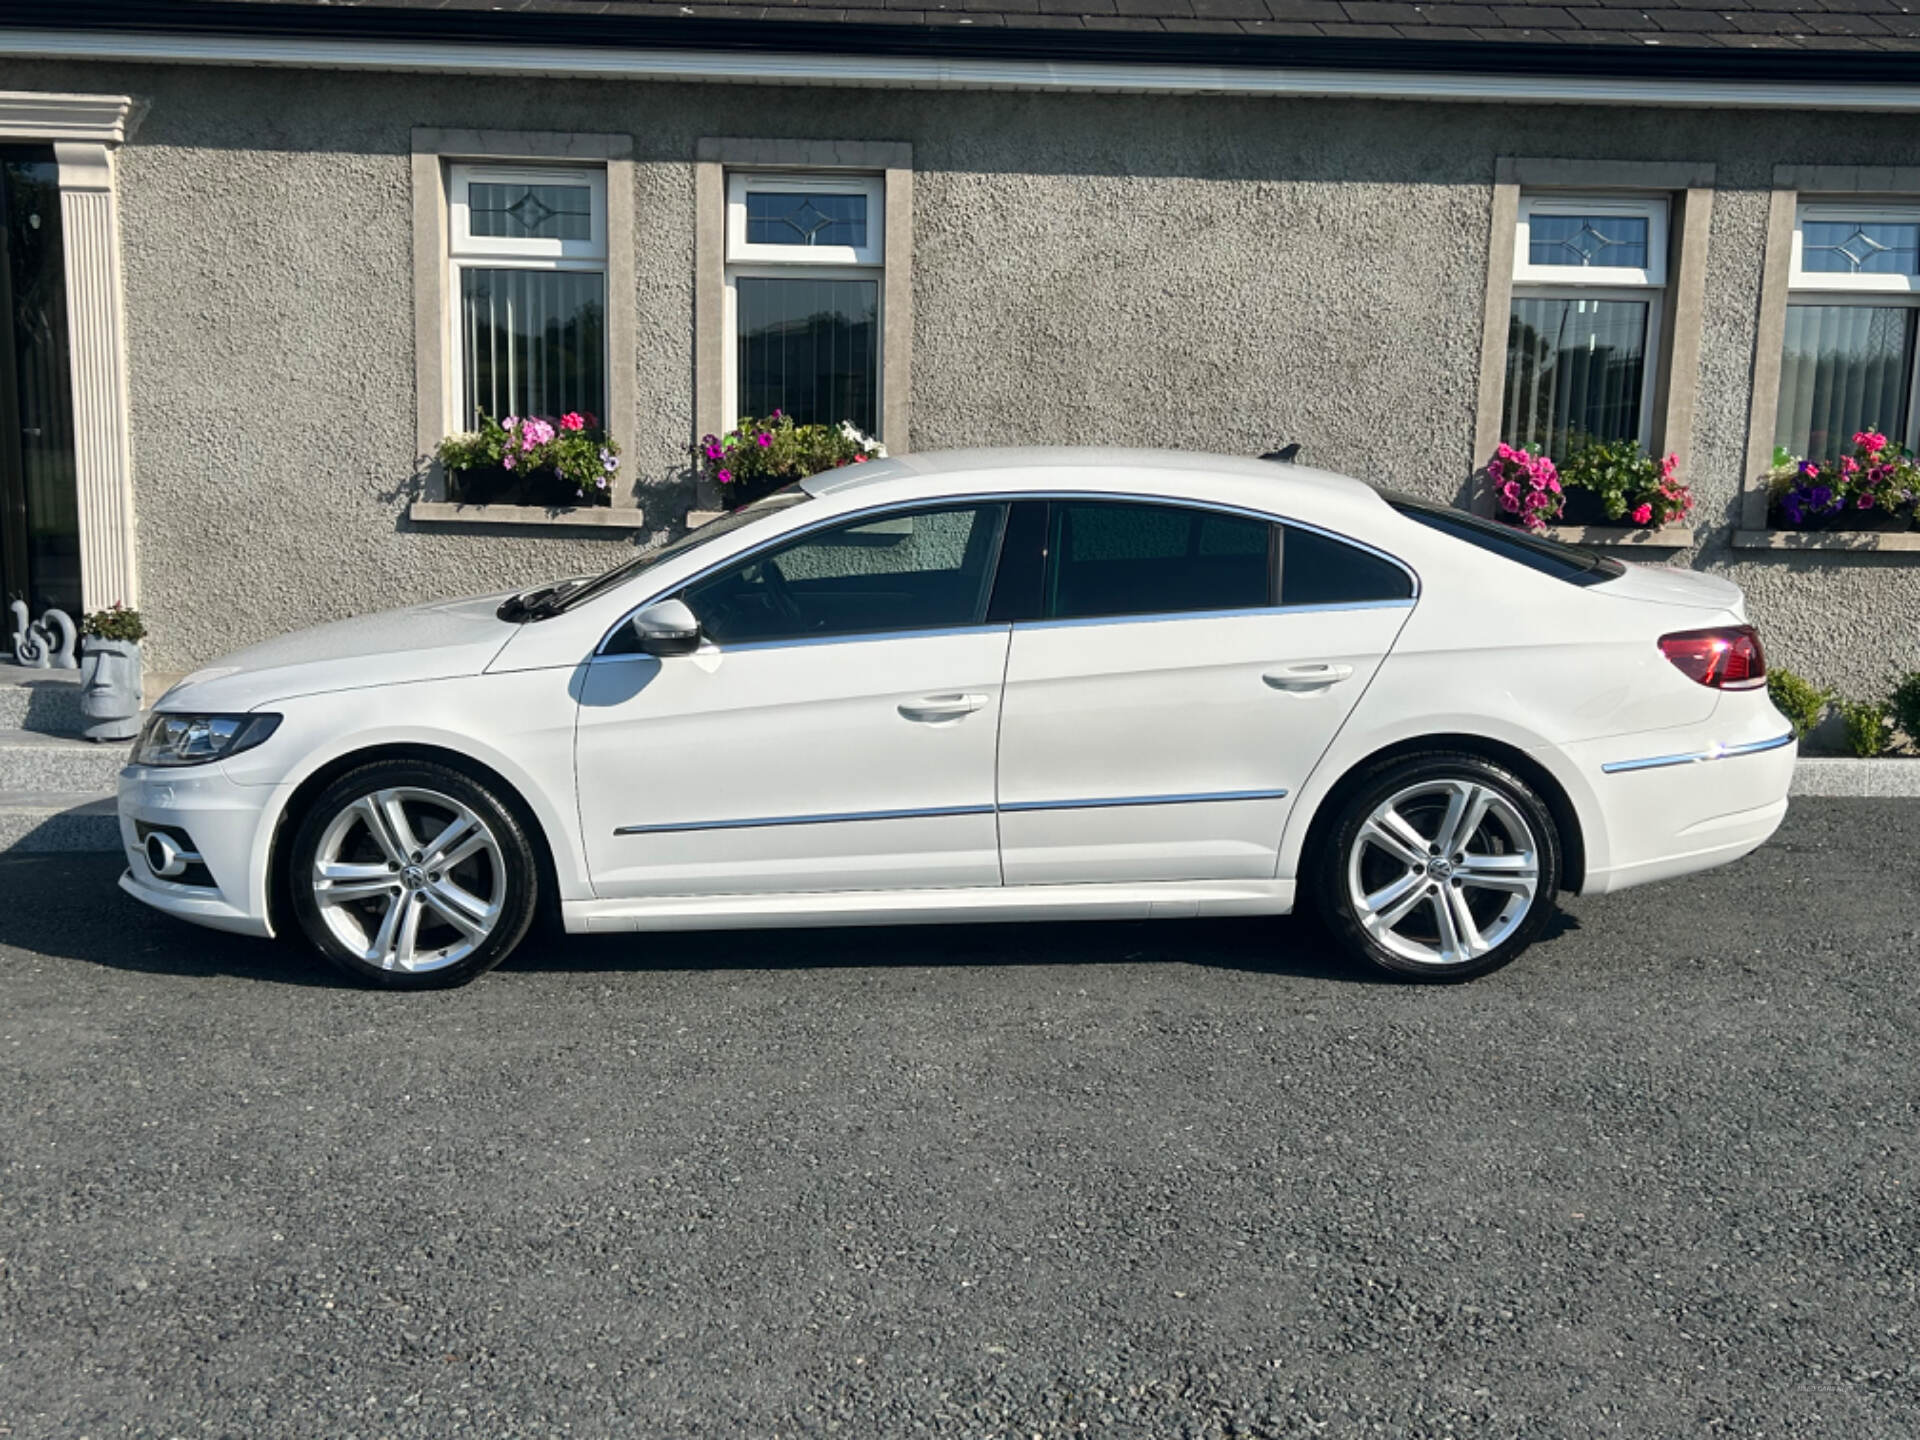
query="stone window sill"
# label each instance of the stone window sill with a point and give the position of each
(576, 517)
(1667, 537)
(1855, 541)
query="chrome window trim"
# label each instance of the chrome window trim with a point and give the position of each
(945, 811)
(1696, 757)
(1010, 498)
(707, 647)
(1160, 616)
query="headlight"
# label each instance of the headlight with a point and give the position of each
(197, 739)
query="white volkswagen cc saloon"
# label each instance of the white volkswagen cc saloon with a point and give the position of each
(981, 685)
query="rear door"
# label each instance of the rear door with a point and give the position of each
(1183, 671)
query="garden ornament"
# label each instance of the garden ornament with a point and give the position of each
(47, 643)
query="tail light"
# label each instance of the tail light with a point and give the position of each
(1729, 659)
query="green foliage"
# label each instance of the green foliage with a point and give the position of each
(1906, 705)
(1799, 699)
(1631, 484)
(116, 622)
(580, 453)
(757, 457)
(1869, 726)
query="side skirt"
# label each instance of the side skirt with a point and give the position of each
(1161, 900)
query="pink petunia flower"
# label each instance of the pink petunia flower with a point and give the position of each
(726, 477)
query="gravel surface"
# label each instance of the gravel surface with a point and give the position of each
(1186, 1179)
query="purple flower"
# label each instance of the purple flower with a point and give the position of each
(764, 439)
(509, 460)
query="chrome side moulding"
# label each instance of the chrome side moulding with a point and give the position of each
(764, 822)
(943, 811)
(1718, 752)
(1218, 797)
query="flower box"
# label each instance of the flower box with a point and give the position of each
(497, 485)
(525, 460)
(757, 457)
(1871, 489)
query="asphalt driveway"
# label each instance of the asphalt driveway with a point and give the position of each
(1182, 1179)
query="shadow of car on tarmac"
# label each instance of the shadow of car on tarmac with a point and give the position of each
(69, 906)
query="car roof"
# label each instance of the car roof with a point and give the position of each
(1178, 471)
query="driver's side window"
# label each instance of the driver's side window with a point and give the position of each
(921, 570)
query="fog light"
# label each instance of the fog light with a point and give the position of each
(165, 858)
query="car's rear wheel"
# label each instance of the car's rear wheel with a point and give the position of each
(1439, 866)
(412, 875)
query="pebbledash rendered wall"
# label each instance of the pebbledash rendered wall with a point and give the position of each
(1218, 274)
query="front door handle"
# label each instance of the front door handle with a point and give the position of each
(1315, 676)
(934, 708)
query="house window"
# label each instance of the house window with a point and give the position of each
(1588, 281)
(528, 248)
(805, 258)
(1848, 359)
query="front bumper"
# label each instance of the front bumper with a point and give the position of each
(225, 822)
(1690, 800)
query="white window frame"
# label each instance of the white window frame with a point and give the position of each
(1652, 209)
(745, 261)
(1840, 282)
(1646, 284)
(741, 184)
(1871, 292)
(488, 252)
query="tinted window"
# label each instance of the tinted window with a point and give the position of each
(919, 571)
(1572, 563)
(1116, 558)
(1318, 570)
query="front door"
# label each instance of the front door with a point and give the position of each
(39, 507)
(835, 731)
(1188, 670)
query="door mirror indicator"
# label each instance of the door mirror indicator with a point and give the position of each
(665, 628)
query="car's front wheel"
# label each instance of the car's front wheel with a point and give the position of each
(412, 875)
(1440, 866)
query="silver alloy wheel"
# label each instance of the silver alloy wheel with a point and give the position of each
(409, 879)
(1443, 871)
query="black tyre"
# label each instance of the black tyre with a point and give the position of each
(1439, 866)
(412, 875)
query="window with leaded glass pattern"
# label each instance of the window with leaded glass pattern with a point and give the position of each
(1847, 361)
(1582, 335)
(528, 249)
(805, 261)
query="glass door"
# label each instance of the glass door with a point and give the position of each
(39, 506)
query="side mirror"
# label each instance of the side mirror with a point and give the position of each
(666, 627)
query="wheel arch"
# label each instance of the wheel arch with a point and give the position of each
(279, 892)
(1560, 804)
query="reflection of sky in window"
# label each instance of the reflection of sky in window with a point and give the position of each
(777, 217)
(1618, 240)
(1850, 247)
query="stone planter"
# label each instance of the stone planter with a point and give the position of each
(110, 682)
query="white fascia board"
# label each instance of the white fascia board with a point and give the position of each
(464, 57)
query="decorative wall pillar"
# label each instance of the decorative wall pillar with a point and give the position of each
(96, 337)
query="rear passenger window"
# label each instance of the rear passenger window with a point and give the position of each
(1121, 558)
(1318, 570)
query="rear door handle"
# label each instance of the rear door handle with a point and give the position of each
(934, 708)
(1315, 676)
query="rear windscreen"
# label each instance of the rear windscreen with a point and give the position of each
(1574, 564)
